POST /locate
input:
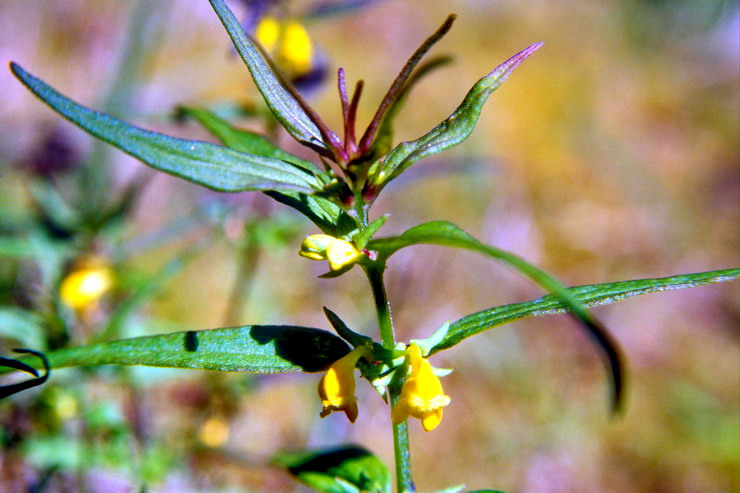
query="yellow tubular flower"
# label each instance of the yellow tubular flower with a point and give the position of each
(268, 33)
(337, 386)
(421, 396)
(288, 42)
(340, 253)
(314, 247)
(296, 49)
(83, 287)
(214, 432)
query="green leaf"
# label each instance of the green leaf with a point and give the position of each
(348, 468)
(345, 332)
(243, 140)
(454, 129)
(432, 341)
(210, 165)
(329, 217)
(589, 295)
(286, 108)
(255, 348)
(447, 234)
(360, 239)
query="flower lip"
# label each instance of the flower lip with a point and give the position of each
(421, 396)
(337, 386)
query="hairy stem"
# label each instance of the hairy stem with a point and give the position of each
(404, 481)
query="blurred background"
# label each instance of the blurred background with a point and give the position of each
(611, 154)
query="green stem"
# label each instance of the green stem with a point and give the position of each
(404, 481)
(402, 451)
(382, 307)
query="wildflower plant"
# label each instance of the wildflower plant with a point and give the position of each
(336, 193)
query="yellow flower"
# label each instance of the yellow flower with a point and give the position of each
(421, 396)
(340, 253)
(337, 386)
(214, 432)
(268, 33)
(288, 42)
(83, 287)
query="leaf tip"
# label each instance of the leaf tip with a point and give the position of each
(16, 69)
(502, 72)
(514, 61)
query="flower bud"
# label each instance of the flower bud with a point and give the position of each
(340, 253)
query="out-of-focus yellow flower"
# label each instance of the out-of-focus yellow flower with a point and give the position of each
(86, 283)
(340, 253)
(288, 42)
(66, 407)
(214, 432)
(422, 396)
(268, 33)
(337, 386)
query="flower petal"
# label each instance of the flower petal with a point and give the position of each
(432, 419)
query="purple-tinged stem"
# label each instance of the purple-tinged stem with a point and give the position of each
(397, 86)
(351, 141)
(342, 86)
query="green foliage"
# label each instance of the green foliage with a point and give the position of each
(243, 140)
(346, 469)
(447, 234)
(363, 237)
(326, 215)
(284, 105)
(255, 348)
(212, 166)
(336, 197)
(589, 295)
(345, 332)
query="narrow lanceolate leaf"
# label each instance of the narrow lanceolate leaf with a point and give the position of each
(255, 348)
(345, 332)
(397, 87)
(454, 129)
(589, 295)
(245, 141)
(383, 140)
(328, 216)
(447, 234)
(286, 108)
(210, 165)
